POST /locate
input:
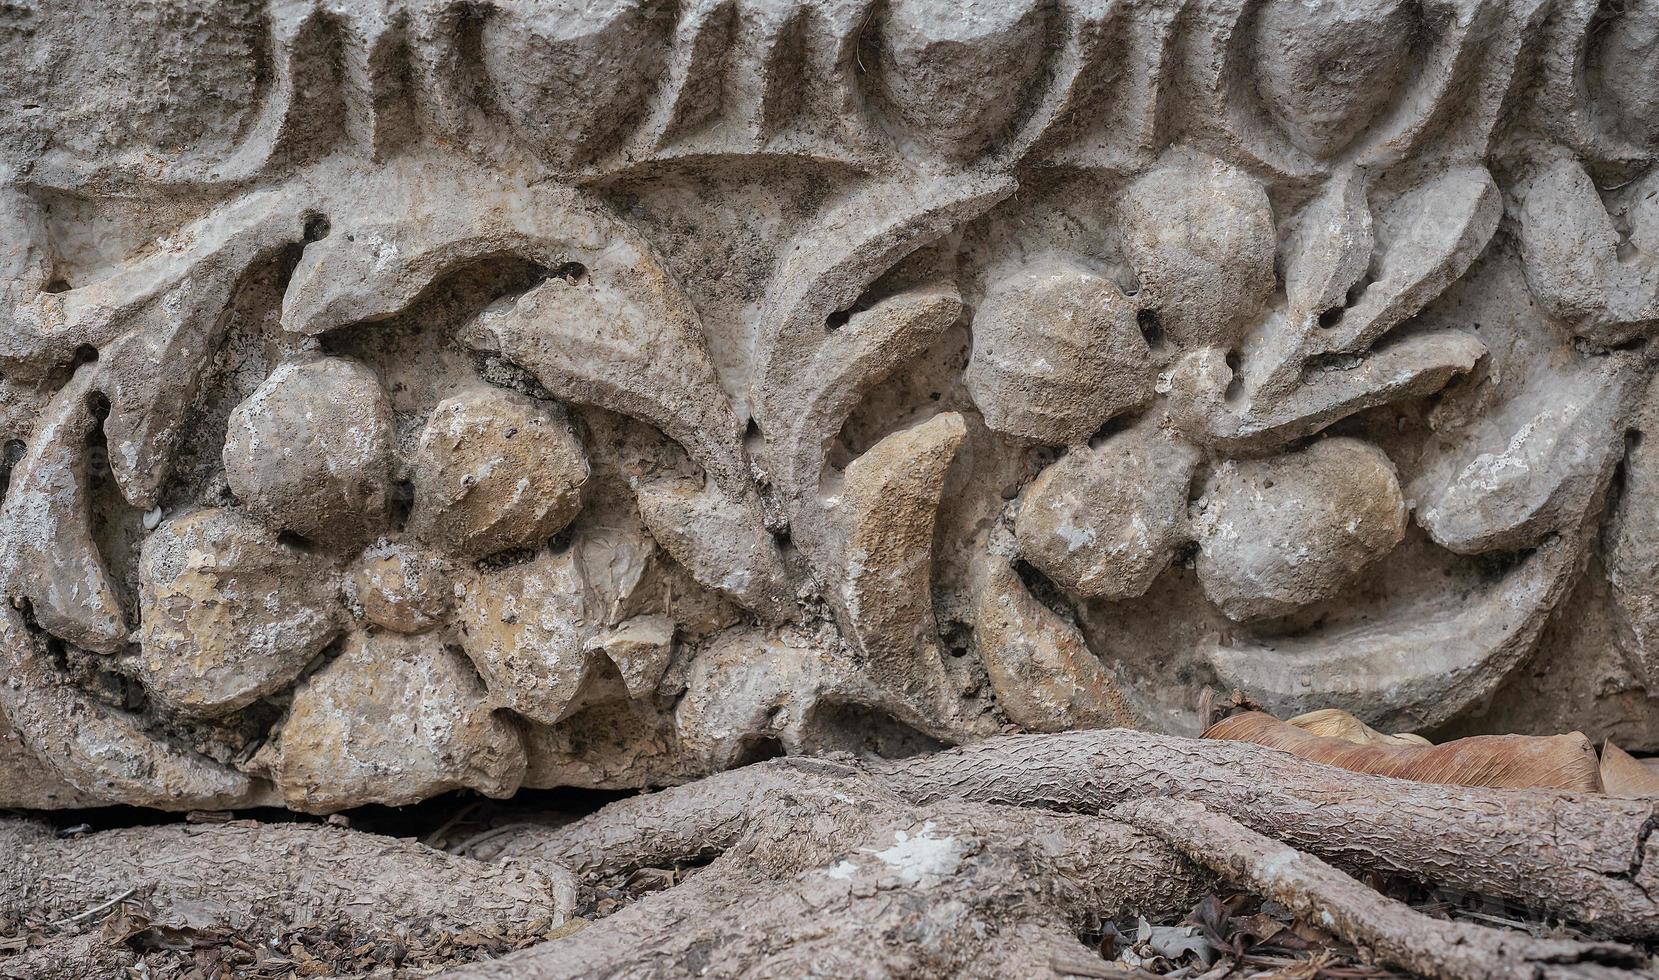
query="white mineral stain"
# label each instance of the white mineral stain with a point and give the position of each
(922, 857)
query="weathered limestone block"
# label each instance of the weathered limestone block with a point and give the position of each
(398, 399)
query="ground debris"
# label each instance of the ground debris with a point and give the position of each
(1235, 934)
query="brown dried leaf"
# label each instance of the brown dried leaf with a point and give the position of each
(1566, 762)
(1336, 723)
(1622, 775)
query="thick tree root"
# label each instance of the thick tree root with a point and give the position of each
(262, 881)
(994, 860)
(1396, 933)
(822, 872)
(1590, 859)
(74, 958)
(793, 887)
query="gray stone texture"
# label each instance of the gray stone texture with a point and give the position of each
(400, 397)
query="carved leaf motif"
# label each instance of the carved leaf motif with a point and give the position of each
(1295, 382)
(1422, 665)
(156, 324)
(1630, 545)
(609, 327)
(1331, 249)
(872, 345)
(886, 511)
(47, 552)
(1045, 677)
(1534, 466)
(1429, 237)
(1410, 367)
(97, 749)
(824, 272)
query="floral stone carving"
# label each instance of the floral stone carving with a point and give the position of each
(401, 397)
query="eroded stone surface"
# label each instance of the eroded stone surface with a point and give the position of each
(228, 613)
(495, 471)
(401, 400)
(311, 450)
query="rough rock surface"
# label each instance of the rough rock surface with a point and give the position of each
(606, 393)
(311, 450)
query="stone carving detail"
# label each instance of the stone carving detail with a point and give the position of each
(408, 396)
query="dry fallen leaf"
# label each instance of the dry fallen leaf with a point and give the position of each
(1623, 775)
(1565, 762)
(1336, 723)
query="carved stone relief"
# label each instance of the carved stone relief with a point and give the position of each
(410, 395)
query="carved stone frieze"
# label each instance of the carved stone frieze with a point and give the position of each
(401, 396)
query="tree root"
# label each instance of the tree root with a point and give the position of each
(1589, 859)
(262, 881)
(998, 859)
(822, 872)
(1396, 933)
(73, 958)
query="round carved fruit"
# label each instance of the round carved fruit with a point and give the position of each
(1201, 241)
(228, 613)
(1277, 534)
(573, 75)
(311, 450)
(1325, 70)
(400, 588)
(954, 73)
(1057, 351)
(1103, 523)
(495, 470)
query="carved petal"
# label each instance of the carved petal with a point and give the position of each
(229, 613)
(1105, 522)
(47, 552)
(1201, 241)
(526, 629)
(886, 508)
(1045, 677)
